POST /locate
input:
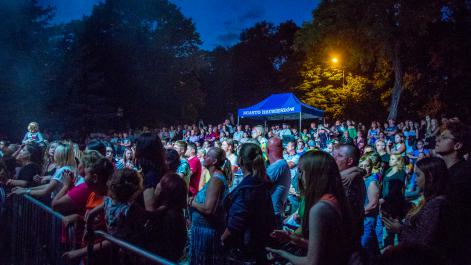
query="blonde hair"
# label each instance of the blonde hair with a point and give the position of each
(46, 151)
(33, 126)
(77, 152)
(400, 161)
(64, 155)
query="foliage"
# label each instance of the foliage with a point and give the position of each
(323, 88)
(144, 57)
(393, 43)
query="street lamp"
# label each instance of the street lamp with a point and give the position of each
(335, 61)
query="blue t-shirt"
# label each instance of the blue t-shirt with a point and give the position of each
(115, 215)
(417, 152)
(389, 130)
(36, 137)
(280, 175)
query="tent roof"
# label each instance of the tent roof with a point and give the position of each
(284, 106)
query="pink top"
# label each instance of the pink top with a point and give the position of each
(196, 168)
(79, 195)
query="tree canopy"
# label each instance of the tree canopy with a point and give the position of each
(392, 51)
(134, 63)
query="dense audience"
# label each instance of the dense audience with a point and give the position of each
(236, 194)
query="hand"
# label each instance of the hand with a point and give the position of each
(279, 252)
(392, 224)
(348, 175)
(71, 255)
(10, 182)
(68, 178)
(18, 191)
(70, 219)
(37, 179)
(281, 236)
(299, 241)
(16, 188)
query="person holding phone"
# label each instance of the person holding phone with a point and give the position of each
(427, 223)
(327, 229)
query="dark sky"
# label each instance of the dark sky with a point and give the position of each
(219, 22)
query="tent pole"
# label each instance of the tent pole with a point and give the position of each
(300, 122)
(238, 119)
(265, 128)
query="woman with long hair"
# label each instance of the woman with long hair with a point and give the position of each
(373, 133)
(327, 228)
(251, 217)
(65, 160)
(398, 147)
(169, 225)
(150, 159)
(393, 203)
(127, 161)
(432, 132)
(29, 156)
(207, 213)
(49, 165)
(427, 223)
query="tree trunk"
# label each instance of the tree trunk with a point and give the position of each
(397, 89)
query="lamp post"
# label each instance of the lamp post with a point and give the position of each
(335, 61)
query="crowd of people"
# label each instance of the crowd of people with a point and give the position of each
(342, 193)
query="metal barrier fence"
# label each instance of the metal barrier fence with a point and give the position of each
(34, 233)
(31, 233)
(125, 253)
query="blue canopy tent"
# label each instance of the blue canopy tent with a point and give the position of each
(284, 106)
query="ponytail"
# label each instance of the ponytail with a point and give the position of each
(258, 167)
(251, 159)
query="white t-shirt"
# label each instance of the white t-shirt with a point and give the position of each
(59, 177)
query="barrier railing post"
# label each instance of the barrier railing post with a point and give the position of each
(90, 242)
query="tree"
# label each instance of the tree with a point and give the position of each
(372, 37)
(139, 56)
(264, 61)
(25, 51)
